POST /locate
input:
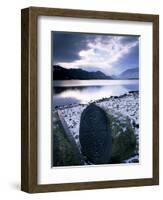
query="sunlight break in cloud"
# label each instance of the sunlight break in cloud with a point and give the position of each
(102, 53)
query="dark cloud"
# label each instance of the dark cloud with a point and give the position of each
(66, 46)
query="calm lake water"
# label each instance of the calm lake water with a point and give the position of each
(83, 91)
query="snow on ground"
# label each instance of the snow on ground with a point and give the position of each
(72, 116)
(126, 105)
(132, 159)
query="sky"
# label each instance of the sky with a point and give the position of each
(110, 54)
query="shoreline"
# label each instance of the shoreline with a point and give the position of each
(93, 101)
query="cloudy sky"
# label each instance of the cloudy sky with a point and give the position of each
(111, 54)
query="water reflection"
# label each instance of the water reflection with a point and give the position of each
(69, 92)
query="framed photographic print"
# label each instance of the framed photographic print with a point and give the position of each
(90, 99)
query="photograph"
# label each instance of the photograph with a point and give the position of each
(95, 99)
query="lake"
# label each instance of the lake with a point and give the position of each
(83, 91)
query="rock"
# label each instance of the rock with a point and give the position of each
(95, 135)
(116, 141)
(123, 138)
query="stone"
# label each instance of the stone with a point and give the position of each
(124, 140)
(95, 135)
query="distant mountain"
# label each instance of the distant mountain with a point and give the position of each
(130, 74)
(60, 73)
